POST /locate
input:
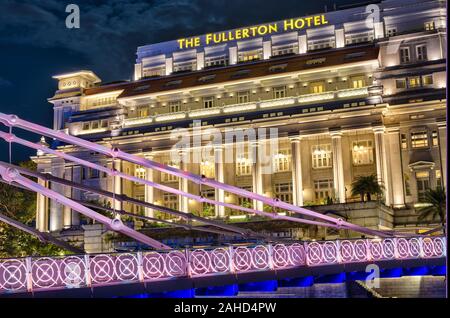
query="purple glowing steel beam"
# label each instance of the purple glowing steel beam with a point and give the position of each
(14, 121)
(124, 198)
(43, 237)
(12, 138)
(12, 175)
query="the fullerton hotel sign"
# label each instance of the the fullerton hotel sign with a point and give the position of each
(253, 31)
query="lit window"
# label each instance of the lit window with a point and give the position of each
(358, 82)
(139, 172)
(283, 191)
(322, 156)
(139, 209)
(404, 55)
(291, 48)
(207, 169)
(323, 189)
(279, 92)
(243, 97)
(154, 71)
(142, 111)
(250, 55)
(400, 83)
(282, 161)
(362, 152)
(166, 177)
(414, 81)
(404, 141)
(421, 52)
(216, 61)
(185, 66)
(419, 139)
(208, 208)
(438, 178)
(243, 201)
(427, 79)
(317, 87)
(434, 138)
(175, 106)
(243, 165)
(429, 25)
(170, 200)
(423, 184)
(208, 102)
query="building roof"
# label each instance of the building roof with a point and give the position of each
(276, 65)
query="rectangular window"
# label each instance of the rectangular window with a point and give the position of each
(438, 178)
(207, 169)
(243, 201)
(428, 26)
(427, 80)
(248, 56)
(362, 152)
(142, 111)
(169, 177)
(243, 165)
(404, 141)
(421, 52)
(419, 139)
(322, 156)
(279, 92)
(434, 138)
(291, 48)
(423, 184)
(317, 87)
(282, 161)
(86, 126)
(407, 184)
(216, 61)
(208, 102)
(185, 66)
(139, 209)
(404, 55)
(104, 123)
(208, 209)
(283, 191)
(139, 172)
(170, 200)
(323, 189)
(400, 83)
(358, 82)
(243, 97)
(154, 71)
(414, 81)
(175, 106)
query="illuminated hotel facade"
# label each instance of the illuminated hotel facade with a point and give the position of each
(352, 92)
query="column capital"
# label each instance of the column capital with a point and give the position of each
(378, 129)
(295, 138)
(393, 129)
(218, 147)
(336, 134)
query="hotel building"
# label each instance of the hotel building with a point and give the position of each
(352, 92)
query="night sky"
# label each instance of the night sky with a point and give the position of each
(35, 44)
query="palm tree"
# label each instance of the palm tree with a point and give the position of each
(436, 206)
(366, 186)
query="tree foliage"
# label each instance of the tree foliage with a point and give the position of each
(365, 186)
(20, 205)
(436, 205)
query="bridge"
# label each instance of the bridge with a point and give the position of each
(151, 272)
(172, 269)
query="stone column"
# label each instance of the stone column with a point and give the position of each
(395, 171)
(257, 173)
(297, 181)
(56, 209)
(338, 166)
(117, 186)
(340, 38)
(67, 211)
(76, 194)
(149, 191)
(41, 209)
(443, 152)
(380, 157)
(219, 176)
(183, 184)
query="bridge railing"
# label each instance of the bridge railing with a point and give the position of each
(46, 273)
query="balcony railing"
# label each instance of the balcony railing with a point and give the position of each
(266, 104)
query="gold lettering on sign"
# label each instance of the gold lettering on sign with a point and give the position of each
(253, 31)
